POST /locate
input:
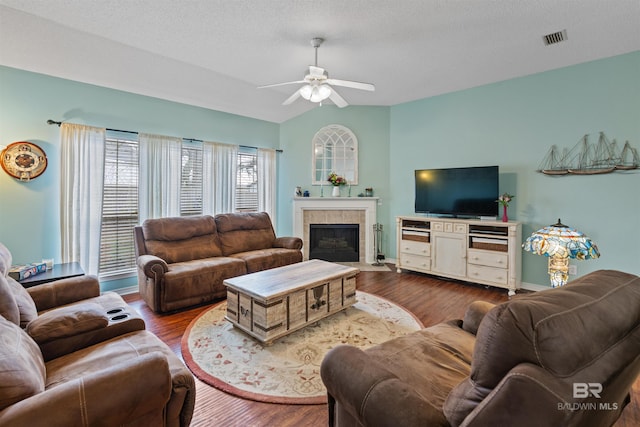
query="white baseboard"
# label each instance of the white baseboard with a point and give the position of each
(533, 287)
(127, 290)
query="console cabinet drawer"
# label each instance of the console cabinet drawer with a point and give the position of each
(416, 248)
(487, 274)
(488, 258)
(418, 262)
(449, 227)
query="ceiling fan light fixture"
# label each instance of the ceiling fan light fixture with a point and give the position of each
(305, 92)
(320, 93)
(315, 93)
(318, 86)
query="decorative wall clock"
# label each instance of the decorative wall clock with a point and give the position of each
(23, 160)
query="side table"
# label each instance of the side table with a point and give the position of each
(59, 271)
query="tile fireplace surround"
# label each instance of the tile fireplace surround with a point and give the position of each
(336, 210)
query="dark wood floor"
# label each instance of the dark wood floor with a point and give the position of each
(430, 299)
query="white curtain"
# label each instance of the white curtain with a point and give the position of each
(219, 175)
(160, 171)
(267, 181)
(81, 182)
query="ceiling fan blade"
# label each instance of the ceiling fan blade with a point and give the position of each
(354, 85)
(281, 84)
(292, 98)
(337, 99)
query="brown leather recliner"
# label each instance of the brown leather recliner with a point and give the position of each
(560, 357)
(133, 380)
(70, 356)
(64, 315)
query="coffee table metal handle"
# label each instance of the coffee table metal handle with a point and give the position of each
(244, 311)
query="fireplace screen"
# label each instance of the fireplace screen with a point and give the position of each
(334, 242)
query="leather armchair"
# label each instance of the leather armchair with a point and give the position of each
(516, 363)
(132, 380)
(64, 315)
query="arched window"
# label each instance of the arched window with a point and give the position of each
(335, 149)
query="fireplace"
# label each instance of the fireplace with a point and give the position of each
(336, 210)
(334, 242)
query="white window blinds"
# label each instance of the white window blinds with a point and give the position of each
(191, 179)
(119, 205)
(247, 180)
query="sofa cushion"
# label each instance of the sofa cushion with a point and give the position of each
(22, 371)
(242, 232)
(432, 361)
(8, 306)
(586, 318)
(26, 307)
(265, 259)
(181, 238)
(199, 280)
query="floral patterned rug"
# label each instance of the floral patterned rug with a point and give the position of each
(287, 371)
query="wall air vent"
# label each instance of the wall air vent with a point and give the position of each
(554, 38)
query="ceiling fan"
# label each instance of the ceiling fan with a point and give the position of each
(317, 86)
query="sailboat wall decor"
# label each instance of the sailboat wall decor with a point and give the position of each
(586, 158)
(629, 158)
(554, 163)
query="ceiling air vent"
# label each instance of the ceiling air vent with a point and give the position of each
(553, 38)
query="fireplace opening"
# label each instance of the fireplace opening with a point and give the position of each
(334, 242)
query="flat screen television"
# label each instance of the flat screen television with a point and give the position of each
(460, 192)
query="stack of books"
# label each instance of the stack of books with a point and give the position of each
(21, 272)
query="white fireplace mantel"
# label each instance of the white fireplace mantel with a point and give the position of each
(366, 204)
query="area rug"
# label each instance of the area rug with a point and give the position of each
(287, 371)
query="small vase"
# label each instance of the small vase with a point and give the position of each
(336, 191)
(505, 218)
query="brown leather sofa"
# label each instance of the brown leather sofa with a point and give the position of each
(70, 356)
(560, 357)
(183, 261)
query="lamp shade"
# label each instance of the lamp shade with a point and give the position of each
(559, 240)
(315, 93)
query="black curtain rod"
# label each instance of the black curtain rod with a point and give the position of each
(53, 122)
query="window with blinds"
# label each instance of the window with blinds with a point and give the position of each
(119, 206)
(247, 180)
(120, 196)
(191, 179)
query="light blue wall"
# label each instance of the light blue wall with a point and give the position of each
(513, 124)
(29, 212)
(371, 127)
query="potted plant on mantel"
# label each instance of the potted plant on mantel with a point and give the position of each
(336, 181)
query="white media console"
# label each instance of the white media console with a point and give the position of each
(473, 250)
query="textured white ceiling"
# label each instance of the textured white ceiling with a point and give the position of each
(213, 53)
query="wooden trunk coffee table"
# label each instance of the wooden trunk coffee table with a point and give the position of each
(272, 303)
